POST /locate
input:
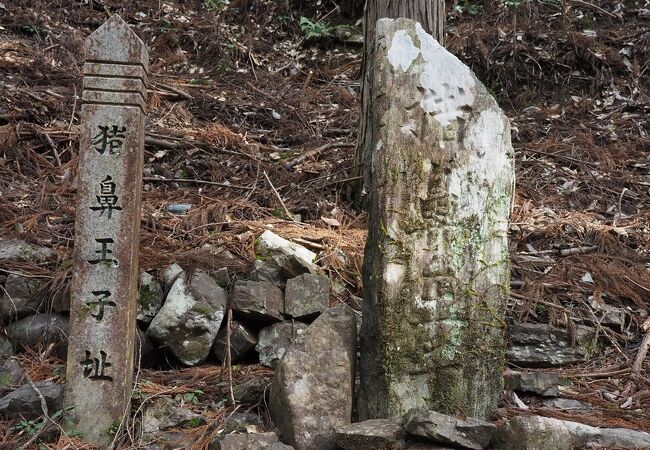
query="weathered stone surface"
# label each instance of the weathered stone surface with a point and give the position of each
(164, 414)
(22, 297)
(542, 345)
(311, 395)
(222, 276)
(279, 446)
(274, 340)
(25, 401)
(170, 274)
(376, 434)
(541, 383)
(248, 441)
(545, 433)
(164, 440)
(11, 373)
(436, 273)
(242, 342)
(470, 433)
(6, 348)
(306, 296)
(251, 392)
(190, 318)
(257, 301)
(104, 286)
(566, 403)
(41, 330)
(270, 243)
(61, 299)
(19, 250)
(150, 298)
(240, 422)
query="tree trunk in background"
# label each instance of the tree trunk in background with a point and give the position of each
(431, 15)
(435, 274)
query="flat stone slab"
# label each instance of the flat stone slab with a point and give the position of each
(25, 402)
(19, 250)
(470, 433)
(540, 383)
(376, 434)
(542, 345)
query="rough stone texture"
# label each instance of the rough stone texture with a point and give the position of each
(436, 273)
(376, 434)
(6, 348)
(306, 296)
(164, 414)
(278, 268)
(242, 342)
(190, 318)
(567, 403)
(41, 330)
(150, 298)
(239, 422)
(25, 401)
(251, 392)
(270, 243)
(545, 433)
(19, 250)
(542, 345)
(169, 276)
(11, 373)
(471, 433)
(312, 388)
(22, 297)
(248, 441)
(257, 301)
(541, 383)
(104, 286)
(274, 340)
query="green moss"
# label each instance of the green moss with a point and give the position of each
(202, 310)
(5, 379)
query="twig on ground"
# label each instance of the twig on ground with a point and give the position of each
(195, 181)
(277, 194)
(642, 353)
(229, 356)
(311, 153)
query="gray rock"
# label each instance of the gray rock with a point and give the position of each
(61, 300)
(274, 340)
(11, 373)
(170, 274)
(270, 243)
(242, 342)
(164, 414)
(19, 250)
(541, 383)
(311, 395)
(146, 352)
(25, 401)
(279, 446)
(248, 441)
(608, 315)
(41, 330)
(567, 403)
(542, 345)
(545, 433)
(251, 392)
(239, 422)
(222, 276)
(6, 349)
(190, 318)
(440, 428)
(306, 296)
(150, 298)
(376, 434)
(278, 268)
(257, 301)
(22, 297)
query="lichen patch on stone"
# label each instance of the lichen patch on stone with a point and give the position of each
(402, 51)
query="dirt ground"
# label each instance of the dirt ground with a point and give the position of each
(248, 118)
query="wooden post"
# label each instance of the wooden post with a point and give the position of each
(105, 277)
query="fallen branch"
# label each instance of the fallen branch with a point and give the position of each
(581, 2)
(311, 153)
(640, 356)
(277, 194)
(175, 90)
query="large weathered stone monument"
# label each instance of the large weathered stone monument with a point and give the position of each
(436, 265)
(104, 284)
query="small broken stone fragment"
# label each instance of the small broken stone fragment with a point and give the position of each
(257, 301)
(274, 340)
(306, 296)
(242, 342)
(470, 433)
(541, 383)
(376, 434)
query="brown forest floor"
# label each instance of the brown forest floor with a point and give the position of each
(235, 97)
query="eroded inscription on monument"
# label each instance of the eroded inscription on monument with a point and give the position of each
(104, 285)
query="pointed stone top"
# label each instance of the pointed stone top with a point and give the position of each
(115, 42)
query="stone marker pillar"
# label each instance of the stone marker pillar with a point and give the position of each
(436, 263)
(105, 275)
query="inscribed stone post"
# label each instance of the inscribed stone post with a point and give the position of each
(436, 264)
(105, 276)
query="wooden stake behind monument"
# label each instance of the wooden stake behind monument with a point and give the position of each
(104, 284)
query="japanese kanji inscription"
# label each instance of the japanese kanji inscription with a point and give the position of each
(104, 284)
